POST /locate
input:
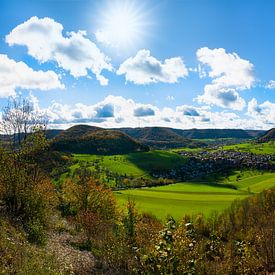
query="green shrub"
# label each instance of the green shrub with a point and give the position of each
(36, 232)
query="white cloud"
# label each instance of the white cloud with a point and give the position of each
(262, 113)
(188, 110)
(146, 69)
(117, 111)
(103, 37)
(75, 53)
(270, 85)
(229, 74)
(143, 111)
(253, 109)
(15, 75)
(226, 98)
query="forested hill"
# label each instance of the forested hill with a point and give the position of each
(268, 136)
(160, 137)
(93, 140)
(158, 133)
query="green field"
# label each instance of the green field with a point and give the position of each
(194, 197)
(213, 193)
(134, 164)
(260, 148)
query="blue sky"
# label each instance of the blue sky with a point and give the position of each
(129, 63)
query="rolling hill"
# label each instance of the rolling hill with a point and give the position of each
(219, 133)
(170, 134)
(94, 140)
(268, 136)
(165, 134)
(160, 137)
(137, 139)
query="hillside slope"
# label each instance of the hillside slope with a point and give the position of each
(269, 136)
(165, 134)
(160, 137)
(219, 133)
(83, 139)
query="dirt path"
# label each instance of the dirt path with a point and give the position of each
(72, 260)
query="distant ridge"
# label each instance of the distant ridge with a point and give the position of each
(161, 137)
(268, 136)
(85, 138)
(94, 140)
(219, 133)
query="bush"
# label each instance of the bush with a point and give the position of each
(36, 232)
(26, 191)
(238, 241)
(20, 257)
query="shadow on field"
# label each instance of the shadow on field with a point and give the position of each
(156, 160)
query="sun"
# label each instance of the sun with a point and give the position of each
(122, 24)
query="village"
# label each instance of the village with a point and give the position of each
(201, 164)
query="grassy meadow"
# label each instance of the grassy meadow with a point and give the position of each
(207, 195)
(255, 148)
(134, 164)
(195, 197)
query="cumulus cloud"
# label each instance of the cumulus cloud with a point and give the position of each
(105, 110)
(270, 85)
(146, 69)
(262, 113)
(226, 98)
(75, 53)
(144, 111)
(188, 110)
(15, 75)
(120, 112)
(230, 74)
(253, 108)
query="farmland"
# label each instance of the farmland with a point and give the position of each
(136, 165)
(195, 197)
(204, 195)
(255, 148)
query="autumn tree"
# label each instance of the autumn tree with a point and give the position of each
(25, 189)
(19, 118)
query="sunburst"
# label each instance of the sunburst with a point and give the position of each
(123, 24)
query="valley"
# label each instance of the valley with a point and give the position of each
(137, 137)
(191, 198)
(93, 199)
(176, 182)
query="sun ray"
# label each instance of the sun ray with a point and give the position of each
(123, 24)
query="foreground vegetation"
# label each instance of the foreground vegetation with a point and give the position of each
(35, 218)
(237, 241)
(77, 226)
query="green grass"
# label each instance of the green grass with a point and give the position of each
(135, 164)
(116, 164)
(261, 148)
(256, 148)
(186, 149)
(181, 198)
(194, 197)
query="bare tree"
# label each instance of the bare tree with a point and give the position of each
(19, 118)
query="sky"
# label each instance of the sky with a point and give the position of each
(128, 63)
